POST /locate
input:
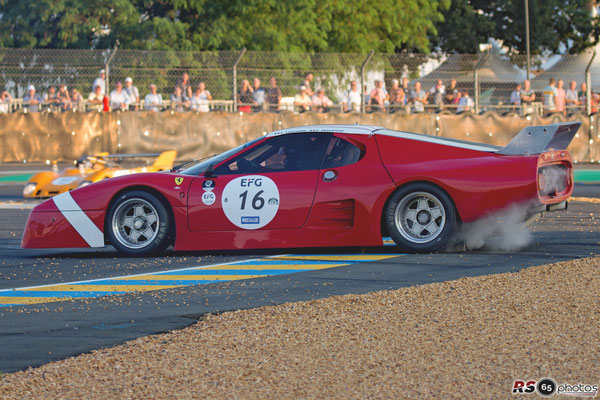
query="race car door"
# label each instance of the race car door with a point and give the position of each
(269, 186)
(351, 181)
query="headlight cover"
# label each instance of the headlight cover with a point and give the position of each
(29, 188)
(85, 183)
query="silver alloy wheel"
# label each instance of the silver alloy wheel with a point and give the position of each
(135, 223)
(420, 217)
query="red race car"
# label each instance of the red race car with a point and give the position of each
(325, 185)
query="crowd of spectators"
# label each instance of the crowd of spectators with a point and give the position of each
(402, 96)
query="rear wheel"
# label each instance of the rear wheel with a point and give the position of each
(420, 217)
(138, 224)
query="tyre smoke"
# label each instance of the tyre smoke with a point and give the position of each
(502, 231)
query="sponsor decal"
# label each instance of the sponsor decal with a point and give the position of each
(251, 201)
(208, 185)
(209, 198)
(178, 180)
(64, 180)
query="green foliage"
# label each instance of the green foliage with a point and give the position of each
(553, 24)
(266, 25)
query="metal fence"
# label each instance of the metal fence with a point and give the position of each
(489, 79)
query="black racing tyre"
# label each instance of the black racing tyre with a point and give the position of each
(138, 224)
(420, 217)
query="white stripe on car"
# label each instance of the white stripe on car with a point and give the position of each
(79, 220)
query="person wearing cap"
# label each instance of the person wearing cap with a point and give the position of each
(32, 100)
(100, 81)
(153, 101)
(352, 99)
(133, 93)
(95, 99)
(302, 101)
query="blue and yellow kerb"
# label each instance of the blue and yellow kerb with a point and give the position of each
(278, 265)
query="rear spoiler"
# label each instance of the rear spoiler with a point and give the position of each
(538, 139)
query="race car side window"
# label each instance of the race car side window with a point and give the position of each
(340, 153)
(294, 152)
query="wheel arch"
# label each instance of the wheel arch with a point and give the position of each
(151, 191)
(384, 230)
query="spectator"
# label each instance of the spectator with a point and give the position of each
(32, 100)
(5, 102)
(153, 101)
(571, 98)
(118, 98)
(306, 83)
(527, 97)
(418, 98)
(515, 96)
(352, 99)
(201, 98)
(549, 96)
(133, 93)
(76, 99)
(302, 100)
(593, 99)
(245, 97)
(379, 96)
(95, 99)
(452, 92)
(51, 98)
(465, 103)
(397, 96)
(184, 83)
(258, 95)
(560, 99)
(405, 88)
(64, 98)
(320, 102)
(179, 101)
(100, 81)
(273, 96)
(583, 94)
(437, 93)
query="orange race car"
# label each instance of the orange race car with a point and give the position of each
(90, 169)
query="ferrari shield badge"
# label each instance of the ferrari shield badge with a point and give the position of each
(178, 180)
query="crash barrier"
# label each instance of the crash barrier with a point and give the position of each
(68, 136)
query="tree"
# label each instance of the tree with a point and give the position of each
(270, 25)
(555, 25)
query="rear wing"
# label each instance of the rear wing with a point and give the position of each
(538, 139)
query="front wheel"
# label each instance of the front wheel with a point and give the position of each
(138, 224)
(420, 217)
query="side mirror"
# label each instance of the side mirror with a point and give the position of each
(209, 172)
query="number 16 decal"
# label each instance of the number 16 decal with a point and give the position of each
(250, 202)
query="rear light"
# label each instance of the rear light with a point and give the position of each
(555, 176)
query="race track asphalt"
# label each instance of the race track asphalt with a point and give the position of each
(36, 334)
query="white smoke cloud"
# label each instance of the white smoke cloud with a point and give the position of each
(502, 231)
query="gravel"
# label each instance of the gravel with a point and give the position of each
(468, 338)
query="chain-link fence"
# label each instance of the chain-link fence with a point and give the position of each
(384, 82)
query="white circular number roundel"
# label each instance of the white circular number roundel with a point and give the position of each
(250, 202)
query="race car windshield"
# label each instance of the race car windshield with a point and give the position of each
(199, 166)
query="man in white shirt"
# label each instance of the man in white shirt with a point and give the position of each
(153, 100)
(100, 81)
(133, 93)
(352, 99)
(571, 97)
(119, 100)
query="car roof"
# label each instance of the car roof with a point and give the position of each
(379, 130)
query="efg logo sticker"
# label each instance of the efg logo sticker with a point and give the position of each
(178, 180)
